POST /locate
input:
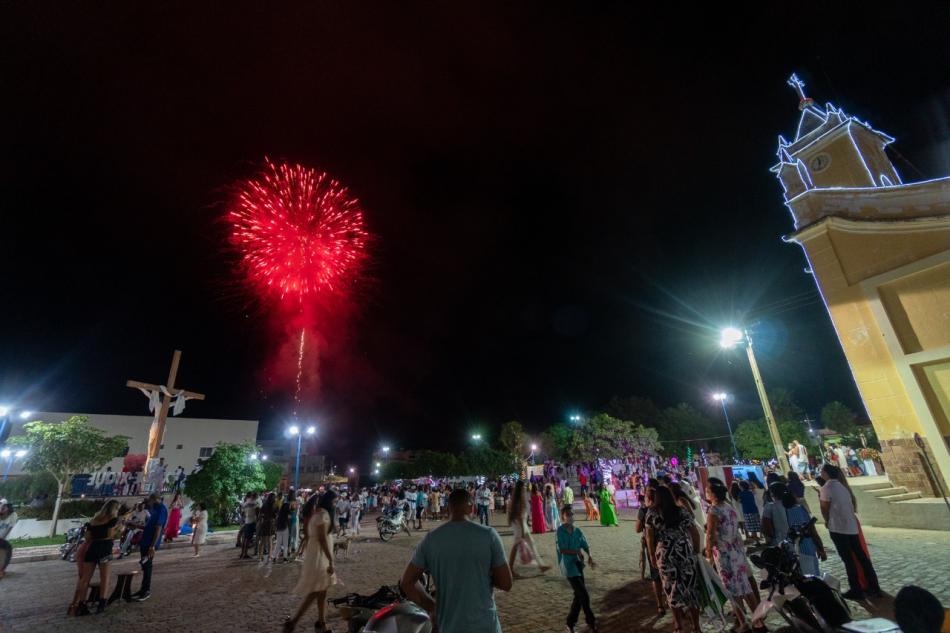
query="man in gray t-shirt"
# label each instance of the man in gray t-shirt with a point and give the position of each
(467, 562)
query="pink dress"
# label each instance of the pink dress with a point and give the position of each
(538, 526)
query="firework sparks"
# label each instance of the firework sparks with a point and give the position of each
(299, 372)
(300, 233)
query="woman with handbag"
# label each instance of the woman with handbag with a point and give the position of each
(100, 534)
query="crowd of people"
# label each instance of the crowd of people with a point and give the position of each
(695, 536)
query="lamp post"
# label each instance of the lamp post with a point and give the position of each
(534, 449)
(722, 397)
(476, 437)
(729, 339)
(292, 431)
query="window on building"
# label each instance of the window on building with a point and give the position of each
(180, 446)
(205, 451)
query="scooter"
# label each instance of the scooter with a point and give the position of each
(808, 604)
(385, 611)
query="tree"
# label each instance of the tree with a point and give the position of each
(225, 477)
(513, 438)
(273, 473)
(784, 407)
(607, 437)
(838, 417)
(634, 408)
(435, 463)
(65, 449)
(556, 441)
(754, 441)
(482, 460)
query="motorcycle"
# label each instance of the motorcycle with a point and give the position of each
(389, 525)
(74, 538)
(129, 540)
(384, 611)
(808, 604)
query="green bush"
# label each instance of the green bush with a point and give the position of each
(23, 488)
(69, 510)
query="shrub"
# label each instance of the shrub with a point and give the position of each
(69, 510)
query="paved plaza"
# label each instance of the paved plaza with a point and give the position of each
(217, 592)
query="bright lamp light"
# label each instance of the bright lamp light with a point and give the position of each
(534, 447)
(4, 410)
(24, 415)
(730, 337)
(352, 470)
(294, 430)
(311, 430)
(21, 453)
(720, 396)
(6, 452)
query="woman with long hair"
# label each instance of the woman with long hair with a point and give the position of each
(100, 533)
(317, 574)
(173, 527)
(725, 549)
(672, 543)
(265, 527)
(551, 514)
(839, 509)
(538, 524)
(518, 520)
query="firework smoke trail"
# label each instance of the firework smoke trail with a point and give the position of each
(303, 332)
(302, 242)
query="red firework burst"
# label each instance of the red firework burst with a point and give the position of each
(299, 232)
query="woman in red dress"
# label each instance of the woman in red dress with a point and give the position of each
(174, 519)
(538, 525)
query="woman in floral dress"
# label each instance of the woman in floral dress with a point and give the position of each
(725, 548)
(672, 543)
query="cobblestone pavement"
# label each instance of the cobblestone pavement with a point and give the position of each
(216, 592)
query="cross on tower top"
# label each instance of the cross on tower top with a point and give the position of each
(799, 86)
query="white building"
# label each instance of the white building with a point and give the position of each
(186, 439)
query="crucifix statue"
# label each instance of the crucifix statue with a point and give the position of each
(161, 397)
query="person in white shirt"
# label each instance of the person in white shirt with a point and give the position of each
(355, 507)
(838, 507)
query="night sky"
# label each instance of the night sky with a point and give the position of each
(567, 203)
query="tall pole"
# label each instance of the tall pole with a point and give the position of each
(735, 451)
(767, 408)
(297, 464)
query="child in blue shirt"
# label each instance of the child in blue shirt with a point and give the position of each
(571, 545)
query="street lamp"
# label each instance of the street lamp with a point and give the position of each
(476, 437)
(730, 338)
(385, 449)
(534, 448)
(722, 397)
(378, 465)
(4, 410)
(575, 418)
(292, 431)
(253, 457)
(25, 414)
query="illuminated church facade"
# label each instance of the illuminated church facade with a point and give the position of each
(879, 250)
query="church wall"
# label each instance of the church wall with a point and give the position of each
(890, 387)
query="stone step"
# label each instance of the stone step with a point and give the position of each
(888, 491)
(855, 482)
(907, 496)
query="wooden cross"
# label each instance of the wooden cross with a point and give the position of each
(157, 431)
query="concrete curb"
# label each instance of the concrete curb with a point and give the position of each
(51, 552)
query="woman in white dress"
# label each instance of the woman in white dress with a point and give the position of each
(518, 520)
(199, 527)
(317, 573)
